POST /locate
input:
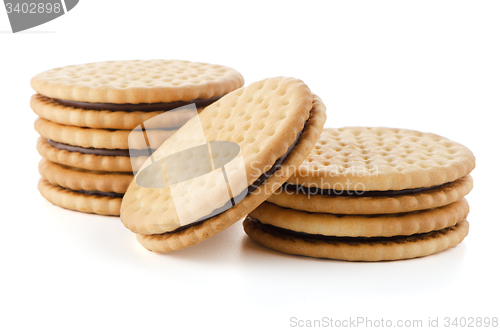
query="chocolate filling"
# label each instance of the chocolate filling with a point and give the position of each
(275, 166)
(259, 181)
(99, 193)
(299, 189)
(98, 151)
(280, 232)
(145, 107)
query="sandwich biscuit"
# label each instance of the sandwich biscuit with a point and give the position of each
(356, 249)
(358, 170)
(275, 124)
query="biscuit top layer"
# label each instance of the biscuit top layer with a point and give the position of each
(380, 159)
(138, 81)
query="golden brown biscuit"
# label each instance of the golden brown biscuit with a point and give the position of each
(140, 81)
(264, 119)
(381, 159)
(384, 225)
(98, 138)
(55, 112)
(88, 114)
(87, 180)
(322, 203)
(380, 249)
(83, 161)
(86, 203)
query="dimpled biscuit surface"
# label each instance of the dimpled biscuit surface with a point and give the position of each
(196, 233)
(380, 159)
(138, 81)
(264, 119)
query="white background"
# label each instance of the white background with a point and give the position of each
(432, 66)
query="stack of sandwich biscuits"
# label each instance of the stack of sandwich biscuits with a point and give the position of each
(370, 194)
(88, 112)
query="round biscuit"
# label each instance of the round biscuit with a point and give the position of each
(380, 159)
(139, 81)
(86, 180)
(322, 203)
(194, 234)
(99, 138)
(263, 118)
(102, 119)
(399, 248)
(86, 203)
(83, 161)
(386, 225)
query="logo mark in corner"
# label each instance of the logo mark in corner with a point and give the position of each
(26, 14)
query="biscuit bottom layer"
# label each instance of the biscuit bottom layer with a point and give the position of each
(299, 189)
(73, 200)
(144, 107)
(356, 249)
(277, 231)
